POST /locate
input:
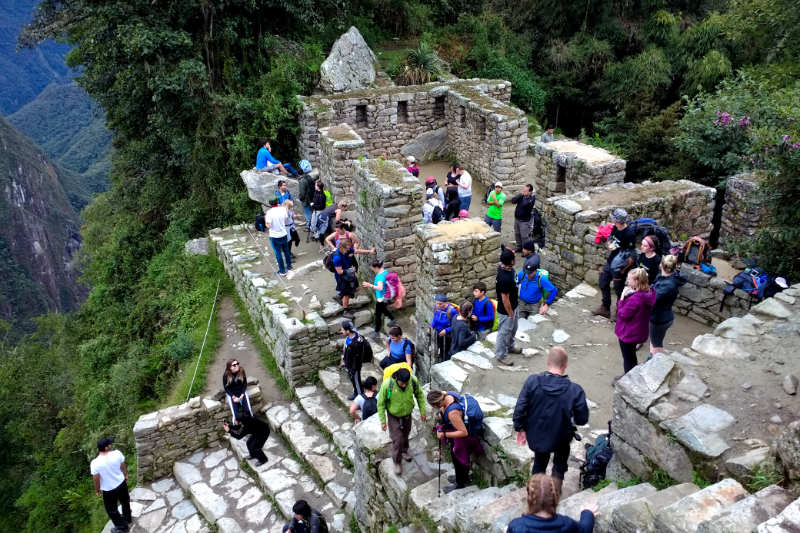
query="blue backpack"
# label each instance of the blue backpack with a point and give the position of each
(473, 415)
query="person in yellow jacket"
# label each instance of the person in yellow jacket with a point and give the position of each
(395, 404)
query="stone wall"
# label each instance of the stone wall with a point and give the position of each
(340, 149)
(741, 214)
(451, 257)
(700, 298)
(685, 208)
(166, 436)
(386, 214)
(582, 167)
(394, 121)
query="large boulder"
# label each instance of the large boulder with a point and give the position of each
(349, 66)
(788, 447)
(429, 145)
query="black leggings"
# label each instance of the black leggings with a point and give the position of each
(629, 359)
(381, 309)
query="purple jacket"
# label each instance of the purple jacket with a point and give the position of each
(633, 316)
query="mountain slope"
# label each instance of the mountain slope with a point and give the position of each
(38, 233)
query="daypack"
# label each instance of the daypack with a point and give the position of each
(370, 406)
(307, 189)
(489, 190)
(598, 456)
(305, 166)
(538, 230)
(393, 287)
(389, 371)
(695, 252)
(648, 226)
(261, 225)
(327, 261)
(437, 215)
(622, 262)
(361, 344)
(753, 280)
(473, 415)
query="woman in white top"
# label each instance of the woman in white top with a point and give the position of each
(464, 186)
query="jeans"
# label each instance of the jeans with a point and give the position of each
(280, 245)
(506, 329)
(560, 458)
(307, 213)
(495, 223)
(657, 333)
(381, 308)
(629, 359)
(110, 499)
(605, 280)
(465, 202)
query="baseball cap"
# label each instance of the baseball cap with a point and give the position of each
(348, 325)
(430, 179)
(498, 184)
(104, 443)
(441, 297)
(411, 159)
(532, 263)
(529, 245)
(429, 193)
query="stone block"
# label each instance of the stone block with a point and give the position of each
(699, 429)
(637, 515)
(741, 466)
(788, 521)
(686, 514)
(718, 347)
(609, 502)
(646, 383)
(745, 515)
(576, 503)
(788, 447)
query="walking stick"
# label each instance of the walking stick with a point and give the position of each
(440, 465)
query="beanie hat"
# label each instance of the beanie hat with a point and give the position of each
(619, 215)
(441, 297)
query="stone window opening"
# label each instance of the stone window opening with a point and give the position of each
(438, 106)
(561, 179)
(482, 126)
(361, 115)
(463, 117)
(402, 112)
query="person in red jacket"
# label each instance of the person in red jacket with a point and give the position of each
(633, 315)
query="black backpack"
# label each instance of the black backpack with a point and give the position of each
(409, 344)
(648, 226)
(261, 225)
(366, 350)
(489, 190)
(437, 214)
(598, 455)
(370, 406)
(538, 231)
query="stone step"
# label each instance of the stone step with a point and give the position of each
(227, 497)
(425, 498)
(637, 516)
(686, 514)
(337, 383)
(745, 515)
(495, 516)
(313, 447)
(607, 503)
(576, 503)
(334, 421)
(788, 521)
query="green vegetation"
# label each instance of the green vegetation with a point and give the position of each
(421, 65)
(763, 476)
(661, 480)
(698, 480)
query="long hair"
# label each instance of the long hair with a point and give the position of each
(543, 494)
(640, 279)
(230, 376)
(466, 309)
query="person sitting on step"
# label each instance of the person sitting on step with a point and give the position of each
(398, 348)
(234, 381)
(305, 520)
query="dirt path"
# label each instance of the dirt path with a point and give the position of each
(237, 344)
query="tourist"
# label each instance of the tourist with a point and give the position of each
(534, 287)
(305, 520)
(396, 399)
(432, 209)
(548, 408)
(341, 231)
(529, 254)
(306, 186)
(443, 314)
(494, 214)
(622, 238)
(523, 215)
(483, 311)
(277, 219)
(258, 432)
(366, 402)
(293, 237)
(283, 193)
(399, 349)
(633, 316)
(507, 299)
(452, 201)
(547, 136)
(430, 183)
(266, 163)
(234, 382)
(464, 187)
(411, 166)
(544, 493)
(648, 259)
(325, 221)
(352, 355)
(461, 336)
(666, 286)
(462, 215)
(344, 266)
(317, 204)
(379, 285)
(453, 429)
(110, 476)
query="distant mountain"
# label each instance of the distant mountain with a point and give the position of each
(70, 127)
(26, 73)
(38, 234)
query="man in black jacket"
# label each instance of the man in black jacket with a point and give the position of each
(258, 431)
(305, 520)
(523, 215)
(548, 409)
(352, 356)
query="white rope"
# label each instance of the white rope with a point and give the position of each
(200, 355)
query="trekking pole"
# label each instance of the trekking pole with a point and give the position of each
(436, 431)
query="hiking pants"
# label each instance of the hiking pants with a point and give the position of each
(399, 429)
(355, 379)
(524, 309)
(522, 231)
(629, 359)
(255, 443)
(110, 499)
(280, 245)
(560, 457)
(506, 329)
(443, 346)
(606, 280)
(462, 471)
(381, 308)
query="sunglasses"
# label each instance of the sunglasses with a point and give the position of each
(234, 364)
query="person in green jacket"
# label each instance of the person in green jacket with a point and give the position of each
(395, 405)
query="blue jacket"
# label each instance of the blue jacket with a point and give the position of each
(484, 310)
(529, 523)
(263, 157)
(530, 290)
(666, 293)
(443, 317)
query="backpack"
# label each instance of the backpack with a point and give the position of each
(598, 456)
(391, 369)
(437, 215)
(473, 414)
(317, 523)
(622, 262)
(306, 189)
(362, 344)
(489, 190)
(393, 287)
(327, 261)
(753, 280)
(648, 226)
(261, 225)
(695, 252)
(538, 231)
(305, 166)
(370, 406)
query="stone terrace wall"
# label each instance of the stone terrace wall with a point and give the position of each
(168, 435)
(700, 298)
(741, 214)
(386, 215)
(392, 118)
(585, 167)
(451, 257)
(340, 149)
(685, 208)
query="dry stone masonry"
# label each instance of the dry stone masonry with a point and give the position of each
(701, 298)
(340, 150)
(742, 212)
(572, 256)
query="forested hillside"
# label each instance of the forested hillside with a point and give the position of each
(682, 89)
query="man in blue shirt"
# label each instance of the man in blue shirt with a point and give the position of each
(443, 315)
(267, 163)
(533, 286)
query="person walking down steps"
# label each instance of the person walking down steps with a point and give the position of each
(110, 476)
(396, 399)
(356, 350)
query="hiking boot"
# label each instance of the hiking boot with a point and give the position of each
(347, 313)
(504, 362)
(451, 478)
(398, 469)
(450, 488)
(281, 273)
(261, 463)
(602, 310)
(407, 457)
(515, 349)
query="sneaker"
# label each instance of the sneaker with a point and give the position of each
(398, 469)
(407, 457)
(504, 362)
(602, 311)
(450, 488)
(515, 349)
(281, 272)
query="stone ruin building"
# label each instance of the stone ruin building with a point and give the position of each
(675, 415)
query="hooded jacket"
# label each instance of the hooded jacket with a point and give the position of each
(633, 316)
(666, 293)
(548, 407)
(557, 524)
